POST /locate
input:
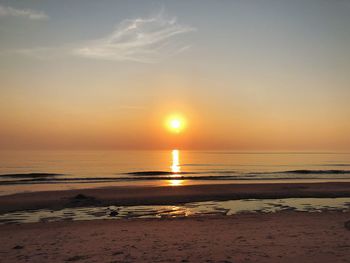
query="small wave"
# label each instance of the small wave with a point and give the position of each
(145, 178)
(147, 173)
(29, 175)
(111, 179)
(60, 180)
(160, 173)
(316, 172)
(302, 171)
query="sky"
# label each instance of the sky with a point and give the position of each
(245, 75)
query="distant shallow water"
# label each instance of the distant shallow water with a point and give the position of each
(179, 211)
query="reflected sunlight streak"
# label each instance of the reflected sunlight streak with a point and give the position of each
(175, 168)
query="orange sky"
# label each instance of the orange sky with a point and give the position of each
(246, 76)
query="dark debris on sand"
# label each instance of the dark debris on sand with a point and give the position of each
(82, 200)
(76, 258)
(18, 247)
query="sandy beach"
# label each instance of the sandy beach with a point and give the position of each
(280, 237)
(285, 236)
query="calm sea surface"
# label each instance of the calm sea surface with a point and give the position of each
(50, 170)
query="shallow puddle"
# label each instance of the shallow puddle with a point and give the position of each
(185, 210)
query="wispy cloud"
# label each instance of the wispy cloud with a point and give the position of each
(143, 40)
(146, 40)
(25, 13)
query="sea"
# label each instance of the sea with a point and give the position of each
(26, 171)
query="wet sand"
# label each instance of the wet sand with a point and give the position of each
(281, 237)
(168, 195)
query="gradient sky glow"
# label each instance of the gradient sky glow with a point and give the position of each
(246, 75)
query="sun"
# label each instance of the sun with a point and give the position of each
(175, 123)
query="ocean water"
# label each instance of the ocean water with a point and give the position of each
(22, 171)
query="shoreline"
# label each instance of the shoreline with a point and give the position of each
(278, 237)
(168, 195)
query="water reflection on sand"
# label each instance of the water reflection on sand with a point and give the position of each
(185, 210)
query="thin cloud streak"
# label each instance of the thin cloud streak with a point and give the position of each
(25, 13)
(142, 40)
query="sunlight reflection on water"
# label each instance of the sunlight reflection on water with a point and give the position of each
(175, 169)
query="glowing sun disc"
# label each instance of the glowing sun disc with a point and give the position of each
(175, 124)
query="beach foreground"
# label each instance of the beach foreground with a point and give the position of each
(169, 195)
(280, 237)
